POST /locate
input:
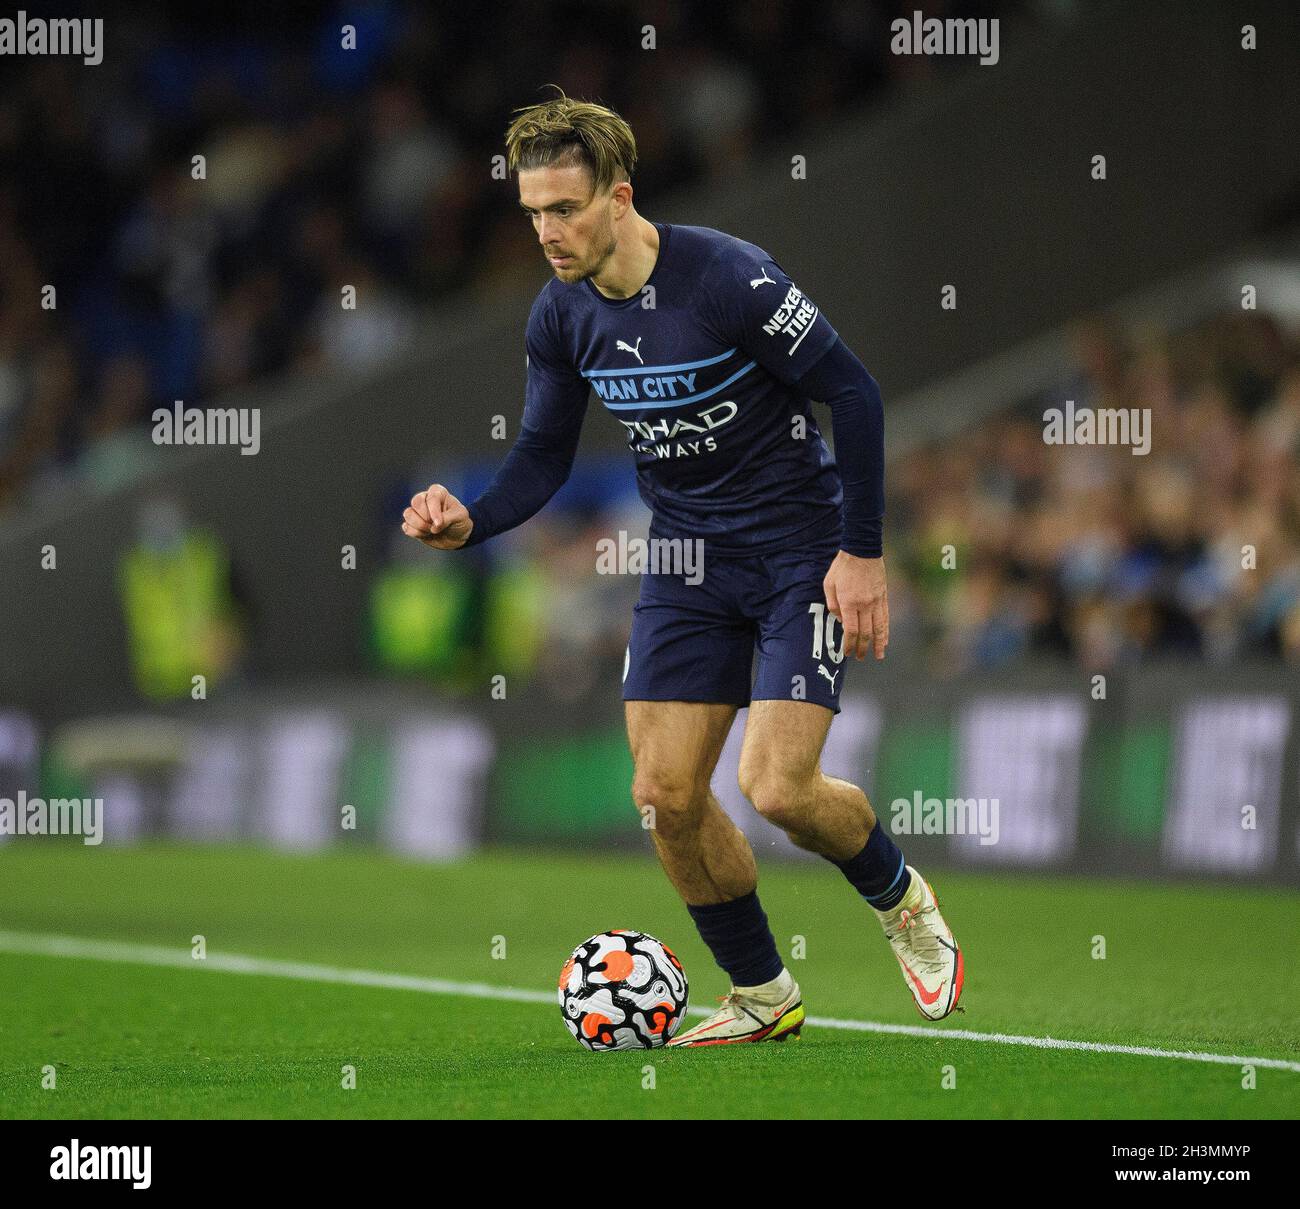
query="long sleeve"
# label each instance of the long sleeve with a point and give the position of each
(541, 459)
(842, 382)
(752, 303)
(755, 304)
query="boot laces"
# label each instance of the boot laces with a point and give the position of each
(907, 919)
(922, 941)
(731, 1000)
(734, 1000)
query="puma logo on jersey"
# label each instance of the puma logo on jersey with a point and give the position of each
(758, 281)
(623, 346)
(821, 667)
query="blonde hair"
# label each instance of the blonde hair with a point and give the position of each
(565, 132)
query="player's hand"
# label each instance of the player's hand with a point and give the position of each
(438, 519)
(856, 593)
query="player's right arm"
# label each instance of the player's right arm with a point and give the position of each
(538, 464)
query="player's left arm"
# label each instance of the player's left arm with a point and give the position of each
(856, 591)
(753, 302)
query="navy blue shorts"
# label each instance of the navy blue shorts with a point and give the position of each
(697, 642)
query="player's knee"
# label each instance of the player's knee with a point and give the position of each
(667, 804)
(781, 799)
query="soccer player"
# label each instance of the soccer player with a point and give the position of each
(701, 346)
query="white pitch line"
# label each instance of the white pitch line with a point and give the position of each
(1091, 1047)
(34, 944)
(233, 963)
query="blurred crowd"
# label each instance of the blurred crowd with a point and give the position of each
(327, 166)
(1101, 556)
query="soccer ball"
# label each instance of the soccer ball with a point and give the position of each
(622, 990)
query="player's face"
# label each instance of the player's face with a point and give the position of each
(574, 225)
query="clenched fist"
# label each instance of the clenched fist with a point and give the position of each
(438, 519)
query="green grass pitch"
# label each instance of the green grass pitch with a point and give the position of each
(1186, 968)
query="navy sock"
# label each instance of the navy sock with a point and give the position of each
(740, 940)
(878, 872)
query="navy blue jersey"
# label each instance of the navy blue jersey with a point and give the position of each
(701, 368)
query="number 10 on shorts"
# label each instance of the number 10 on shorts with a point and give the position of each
(824, 633)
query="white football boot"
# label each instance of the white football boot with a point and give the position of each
(932, 963)
(771, 1012)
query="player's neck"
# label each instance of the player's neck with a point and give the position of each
(633, 261)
